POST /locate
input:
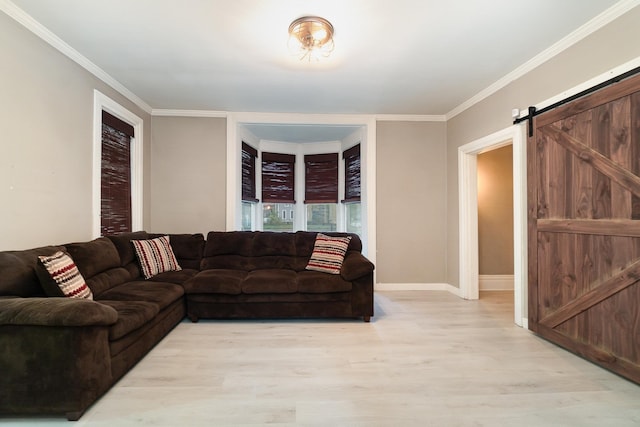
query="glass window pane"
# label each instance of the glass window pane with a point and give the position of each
(247, 216)
(321, 217)
(273, 215)
(354, 218)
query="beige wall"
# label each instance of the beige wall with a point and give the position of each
(411, 208)
(46, 119)
(495, 211)
(603, 50)
(188, 174)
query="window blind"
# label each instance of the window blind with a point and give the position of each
(352, 187)
(115, 185)
(321, 178)
(117, 124)
(278, 183)
(249, 155)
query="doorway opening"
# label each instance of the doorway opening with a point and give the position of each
(468, 220)
(495, 219)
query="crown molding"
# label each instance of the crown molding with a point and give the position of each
(410, 118)
(188, 113)
(45, 34)
(585, 30)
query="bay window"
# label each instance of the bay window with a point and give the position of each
(321, 181)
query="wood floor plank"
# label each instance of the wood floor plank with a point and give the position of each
(426, 359)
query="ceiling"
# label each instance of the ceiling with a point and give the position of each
(418, 57)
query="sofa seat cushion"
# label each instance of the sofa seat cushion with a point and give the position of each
(315, 282)
(271, 281)
(160, 293)
(131, 316)
(217, 281)
(177, 277)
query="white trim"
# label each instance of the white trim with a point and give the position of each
(102, 102)
(188, 113)
(223, 114)
(45, 34)
(410, 118)
(520, 253)
(585, 30)
(234, 183)
(496, 282)
(468, 214)
(468, 224)
(417, 287)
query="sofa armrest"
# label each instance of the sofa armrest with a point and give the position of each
(55, 312)
(355, 265)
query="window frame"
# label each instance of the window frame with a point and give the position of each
(102, 103)
(115, 173)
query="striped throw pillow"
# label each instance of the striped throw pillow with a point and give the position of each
(62, 278)
(328, 253)
(155, 256)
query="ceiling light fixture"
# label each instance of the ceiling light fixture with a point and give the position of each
(311, 37)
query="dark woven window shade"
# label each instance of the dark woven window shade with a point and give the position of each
(249, 155)
(278, 183)
(115, 185)
(321, 178)
(352, 187)
(117, 124)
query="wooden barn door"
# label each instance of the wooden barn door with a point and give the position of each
(584, 227)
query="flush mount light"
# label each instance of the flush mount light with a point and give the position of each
(311, 37)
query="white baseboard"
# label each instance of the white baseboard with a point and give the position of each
(496, 282)
(417, 287)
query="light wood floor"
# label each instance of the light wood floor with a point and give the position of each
(426, 359)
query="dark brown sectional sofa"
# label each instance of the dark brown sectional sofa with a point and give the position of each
(59, 355)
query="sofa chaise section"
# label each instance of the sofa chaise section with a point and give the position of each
(58, 355)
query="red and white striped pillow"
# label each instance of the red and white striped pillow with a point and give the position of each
(64, 278)
(155, 256)
(328, 253)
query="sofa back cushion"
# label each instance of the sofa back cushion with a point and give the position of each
(259, 250)
(99, 263)
(305, 241)
(128, 259)
(187, 248)
(18, 269)
(249, 250)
